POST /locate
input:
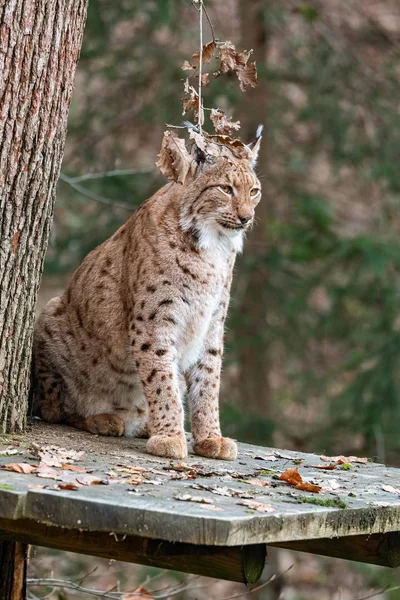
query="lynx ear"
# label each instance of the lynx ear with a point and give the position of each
(198, 155)
(254, 146)
(174, 159)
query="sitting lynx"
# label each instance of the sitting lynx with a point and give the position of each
(141, 322)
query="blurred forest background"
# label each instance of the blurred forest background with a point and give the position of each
(312, 358)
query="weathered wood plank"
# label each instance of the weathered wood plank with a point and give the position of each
(152, 509)
(244, 564)
(12, 569)
(375, 549)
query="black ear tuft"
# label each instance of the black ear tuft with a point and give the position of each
(199, 156)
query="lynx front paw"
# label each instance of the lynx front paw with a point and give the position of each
(105, 424)
(217, 447)
(168, 446)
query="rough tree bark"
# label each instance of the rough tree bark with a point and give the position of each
(12, 570)
(40, 41)
(253, 353)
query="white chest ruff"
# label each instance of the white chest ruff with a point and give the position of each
(194, 333)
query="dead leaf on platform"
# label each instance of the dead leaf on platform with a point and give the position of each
(258, 506)
(210, 507)
(189, 498)
(259, 482)
(330, 467)
(344, 459)
(25, 468)
(291, 476)
(68, 486)
(10, 451)
(75, 468)
(390, 489)
(308, 487)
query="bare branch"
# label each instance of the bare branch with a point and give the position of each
(113, 173)
(92, 195)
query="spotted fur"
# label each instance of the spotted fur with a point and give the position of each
(141, 322)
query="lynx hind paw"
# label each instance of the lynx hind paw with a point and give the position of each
(105, 424)
(167, 446)
(217, 447)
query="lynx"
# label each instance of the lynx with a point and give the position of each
(141, 322)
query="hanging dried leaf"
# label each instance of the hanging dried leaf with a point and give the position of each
(247, 76)
(187, 66)
(223, 123)
(192, 102)
(205, 79)
(207, 54)
(237, 62)
(228, 57)
(292, 476)
(174, 160)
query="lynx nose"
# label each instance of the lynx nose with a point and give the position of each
(244, 219)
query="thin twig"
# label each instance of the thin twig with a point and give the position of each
(200, 65)
(210, 24)
(113, 173)
(93, 196)
(382, 591)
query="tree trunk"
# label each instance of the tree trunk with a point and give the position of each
(253, 353)
(12, 570)
(40, 41)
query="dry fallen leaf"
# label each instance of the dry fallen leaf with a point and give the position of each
(308, 487)
(75, 468)
(210, 507)
(292, 476)
(258, 506)
(189, 498)
(25, 468)
(137, 594)
(258, 482)
(326, 467)
(68, 486)
(344, 459)
(391, 489)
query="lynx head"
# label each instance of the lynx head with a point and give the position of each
(220, 189)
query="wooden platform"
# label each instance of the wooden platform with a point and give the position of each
(197, 515)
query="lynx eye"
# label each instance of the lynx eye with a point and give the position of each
(227, 189)
(254, 192)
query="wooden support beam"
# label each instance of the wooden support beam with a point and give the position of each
(12, 570)
(238, 563)
(375, 549)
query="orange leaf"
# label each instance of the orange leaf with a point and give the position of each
(326, 467)
(292, 476)
(20, 467)
(68, 486)
(308, 487)
(75, 468)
